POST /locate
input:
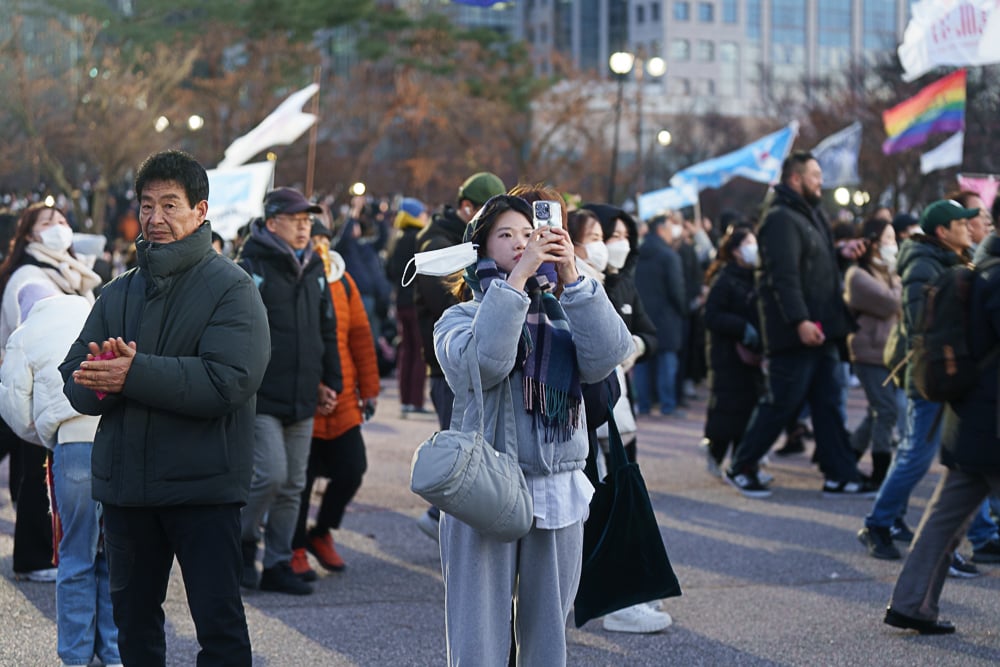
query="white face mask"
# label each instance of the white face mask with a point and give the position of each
(749, 254)
(57, 238)
(676, 231)
(888, 253)
(597, 255)
(617, 254)
(441, 262)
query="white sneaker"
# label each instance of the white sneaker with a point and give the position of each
(764, 478)
(638, 618)
(655, 605)
(46, 576)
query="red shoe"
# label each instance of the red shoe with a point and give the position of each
(300, 566)
(324, 551)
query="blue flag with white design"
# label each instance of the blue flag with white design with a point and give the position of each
(758, 161)
(838, 156)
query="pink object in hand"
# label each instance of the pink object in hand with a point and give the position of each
(104, 355)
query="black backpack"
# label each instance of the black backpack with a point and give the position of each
(942, 366)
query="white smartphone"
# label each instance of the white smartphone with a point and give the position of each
(547, 214)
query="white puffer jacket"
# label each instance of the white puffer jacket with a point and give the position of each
(31, 389)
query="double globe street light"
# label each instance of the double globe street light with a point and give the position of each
(622, 63)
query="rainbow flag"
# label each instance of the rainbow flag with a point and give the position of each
(940, 107)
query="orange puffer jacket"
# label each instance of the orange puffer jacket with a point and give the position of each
(357, 361)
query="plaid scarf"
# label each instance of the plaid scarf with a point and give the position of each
(546, 354)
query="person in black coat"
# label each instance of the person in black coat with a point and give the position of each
(410, 368)
(802, 315)
(302, 377)
(970, 449)
(659, 278)
(734, 376)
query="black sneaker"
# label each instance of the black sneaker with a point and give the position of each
(862, 489)
(281, 579)
(901, 532)
(961, 568)
(988, 553)
(748, 484)
(879, 543)
(249, 577)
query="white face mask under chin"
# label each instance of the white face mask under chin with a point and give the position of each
(597, 255)
(57, 238)
(441, 262)
(618, 254)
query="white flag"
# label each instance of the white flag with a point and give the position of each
(838, 156)
(947, 154)
(282, 127)
(947, 32)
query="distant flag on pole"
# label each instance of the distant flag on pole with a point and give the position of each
(758, 161)
(283, 126)
(838, 156)
(939, 107)
(947, 154)
(667, 199)
(949, 32)
(477, 3)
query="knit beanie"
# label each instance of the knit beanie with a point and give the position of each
(479, 187)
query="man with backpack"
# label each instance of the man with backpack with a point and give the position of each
(970, 449)
(943, 245)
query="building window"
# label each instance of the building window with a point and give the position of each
(683, 86)
(706, 12)
(680, 50)
(682, 11)
(707, 87)
(730, 11)
(640, 13)
(706, 51)
(654, 12)
(755, 19)
(729, 69)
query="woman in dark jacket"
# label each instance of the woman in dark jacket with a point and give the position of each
(732, 321)
(621, 239)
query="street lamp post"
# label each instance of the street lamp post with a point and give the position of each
(655, 67)
(621, 64)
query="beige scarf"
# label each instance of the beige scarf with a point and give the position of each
(70, 274)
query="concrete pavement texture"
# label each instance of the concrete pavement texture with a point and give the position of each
(781, 581)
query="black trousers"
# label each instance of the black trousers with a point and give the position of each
(33, 521)
(343, 462)
(141, 544)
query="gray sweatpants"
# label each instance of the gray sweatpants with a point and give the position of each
(540, 573)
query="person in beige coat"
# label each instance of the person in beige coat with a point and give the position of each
(872, 290)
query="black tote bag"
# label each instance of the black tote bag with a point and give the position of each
(624, 560)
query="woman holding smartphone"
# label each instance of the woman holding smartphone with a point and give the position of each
(542, 346)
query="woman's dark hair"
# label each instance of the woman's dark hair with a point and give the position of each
(871, 232)
(19, 244)
(479, 227)
(478, 231)
(727, 250)
(578, 222)
(175, 166)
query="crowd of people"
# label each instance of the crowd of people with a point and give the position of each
(189, 411)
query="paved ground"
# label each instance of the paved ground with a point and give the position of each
(781, 581)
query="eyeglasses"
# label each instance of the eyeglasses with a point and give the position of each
(298, 220)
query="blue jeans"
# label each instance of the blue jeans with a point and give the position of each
(913, 459)
(280, 459)
(84, 616)
(803, 374)
(665, 372)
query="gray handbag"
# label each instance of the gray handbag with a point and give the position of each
(464, 476)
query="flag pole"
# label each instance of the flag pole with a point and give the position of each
(313, 133)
